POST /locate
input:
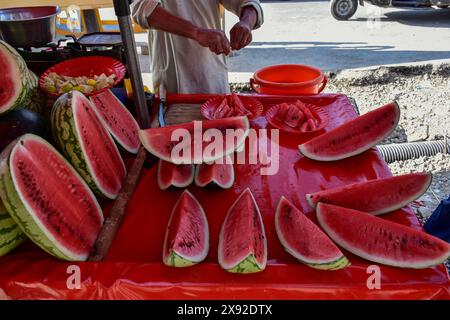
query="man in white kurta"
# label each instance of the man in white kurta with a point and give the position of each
(187, 47)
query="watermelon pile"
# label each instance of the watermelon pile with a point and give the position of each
(18, 85)
(295, 117)
(47, 196)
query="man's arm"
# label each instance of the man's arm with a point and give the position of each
(161, 19)
(241, 33)
(250, 16)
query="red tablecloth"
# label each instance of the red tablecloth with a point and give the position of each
(133, 268)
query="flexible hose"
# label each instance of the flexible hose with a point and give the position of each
(412, 150)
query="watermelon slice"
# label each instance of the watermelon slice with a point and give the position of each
(187, 236)
(48, 199)
(188, 142)
(375, 196)
(381, 240)
(117, 120)
(304, 240)
(174, 175)
(353, 137)
(216, 174)
(87, 144)
(242, 239)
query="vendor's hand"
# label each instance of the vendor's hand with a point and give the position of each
(215, 40)
(240, 35)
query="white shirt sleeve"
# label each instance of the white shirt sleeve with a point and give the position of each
(236, 6)
(141, 10)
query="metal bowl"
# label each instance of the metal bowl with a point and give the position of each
(27, 27)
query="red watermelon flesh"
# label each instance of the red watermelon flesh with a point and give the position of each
(105, 161)
(375, 196)
(220, 173)
(117, 120)
(176, 175)
(169, 143)
(187, 236)
(56, 197)
(353, 137)
(380, 240)
(242, 239)
(10, 85)
(306, 241)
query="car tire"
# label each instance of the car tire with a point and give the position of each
(343, 9)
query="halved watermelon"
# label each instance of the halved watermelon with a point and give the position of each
(375, 196)
(187, 236)
(117, 120)
(176, 175)
(16, 82)
(87, 144)
(242, 239)
(195, 142)
(304, 240)
(353, 137)
(220, 174)
(48, 199)
(381, 240)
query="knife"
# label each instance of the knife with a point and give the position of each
(162, 105)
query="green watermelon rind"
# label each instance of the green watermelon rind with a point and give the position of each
(247, 264)
(11, 236)
(313, 203)
(178, 259)
(304, 147)
(65, 133)
(245, 125)
(172, 182)
(122, 144)
(214, 182)
(21, 213)
(417, 265)
(334, 263)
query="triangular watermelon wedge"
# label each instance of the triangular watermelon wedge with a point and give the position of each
(187, 236)
(306, 241)
(380, 240)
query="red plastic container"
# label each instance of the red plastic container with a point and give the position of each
(289, 79)
(86, 66)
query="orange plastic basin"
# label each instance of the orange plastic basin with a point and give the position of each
(288, 79)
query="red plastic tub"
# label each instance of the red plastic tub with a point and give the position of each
(289, 79)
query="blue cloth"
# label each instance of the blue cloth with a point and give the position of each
(439, 223)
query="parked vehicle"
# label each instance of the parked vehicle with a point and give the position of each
(345, 9)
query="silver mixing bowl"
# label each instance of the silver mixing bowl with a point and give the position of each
(27, 27)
